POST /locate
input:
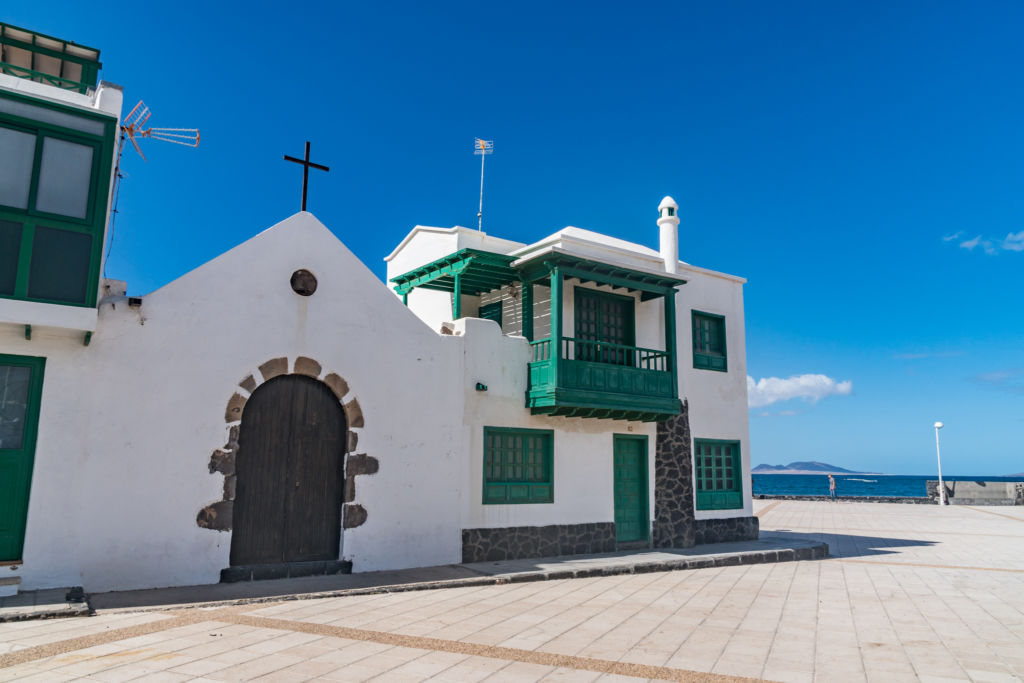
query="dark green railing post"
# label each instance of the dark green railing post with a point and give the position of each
(457, 297)
(670, 339)
(526, 308)
(556, 321)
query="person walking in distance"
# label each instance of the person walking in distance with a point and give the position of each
(831, 488)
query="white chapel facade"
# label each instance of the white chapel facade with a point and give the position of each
(281, 411)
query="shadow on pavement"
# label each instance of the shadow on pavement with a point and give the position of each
(850, 545)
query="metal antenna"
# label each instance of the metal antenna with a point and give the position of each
(483, 148)
(132, 127)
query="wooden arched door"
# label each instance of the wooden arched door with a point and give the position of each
(289, 474)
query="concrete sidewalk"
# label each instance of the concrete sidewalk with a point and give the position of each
(767, 549)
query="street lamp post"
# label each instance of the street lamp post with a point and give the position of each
(938, 456)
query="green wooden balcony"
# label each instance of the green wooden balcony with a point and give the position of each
(44, 59)
(601, 380)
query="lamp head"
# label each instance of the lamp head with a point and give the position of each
(938, 425)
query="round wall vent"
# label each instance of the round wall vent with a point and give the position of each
(303, 282)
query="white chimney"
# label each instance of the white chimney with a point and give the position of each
(668, 222)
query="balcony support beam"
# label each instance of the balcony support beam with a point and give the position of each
(457, 297)
(556, 320)
(526, 303)
(670, 339)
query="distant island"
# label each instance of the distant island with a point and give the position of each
(803, 467)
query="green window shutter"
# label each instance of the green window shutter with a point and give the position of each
(709, 351)
(717, 472)
(518, 466)
(603, 317)
(492, 311)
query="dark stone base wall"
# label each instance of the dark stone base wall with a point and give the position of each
(673, 484)
(517, 542)
(726, 530)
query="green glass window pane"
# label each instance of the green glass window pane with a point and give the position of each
(64, 174)
(10, 244)
(17, 150)
(14, 385)
(60, 265)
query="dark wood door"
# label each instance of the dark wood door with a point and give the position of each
(289, 468)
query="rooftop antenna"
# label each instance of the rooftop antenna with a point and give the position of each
(483, 148)
(137, 117)
(132, 128)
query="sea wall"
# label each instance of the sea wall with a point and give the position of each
(979, 492)
(913, 500)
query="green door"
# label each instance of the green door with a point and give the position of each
(21, 383)
(630, 455)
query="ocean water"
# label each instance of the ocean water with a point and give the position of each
(853, 484)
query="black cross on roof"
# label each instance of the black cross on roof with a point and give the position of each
(306, 163)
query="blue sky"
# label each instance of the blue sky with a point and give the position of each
(862, 164)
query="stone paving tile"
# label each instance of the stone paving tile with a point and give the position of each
(912, 593)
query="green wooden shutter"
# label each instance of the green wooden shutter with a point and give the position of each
(717, 470)
(518, 466)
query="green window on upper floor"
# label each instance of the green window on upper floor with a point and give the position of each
(709, 341)
(491, 311)
(604, 322)
(54, 180)
(518, 466)
(717, 468)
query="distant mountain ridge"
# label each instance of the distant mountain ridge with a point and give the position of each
(803, 467)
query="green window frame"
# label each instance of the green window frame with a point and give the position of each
(602, 318)
(518, 466)
(709, 347)
(67, 229)
(717, 468)
(491, 311)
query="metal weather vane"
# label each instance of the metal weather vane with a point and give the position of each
(483, 148)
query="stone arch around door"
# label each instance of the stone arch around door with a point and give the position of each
(219, 515)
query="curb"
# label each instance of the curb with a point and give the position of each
(76, 610)
(812, 551)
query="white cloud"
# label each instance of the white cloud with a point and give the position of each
(1012, 242)
(812, 388)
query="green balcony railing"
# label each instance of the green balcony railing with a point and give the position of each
(40, 77)
(601, 379)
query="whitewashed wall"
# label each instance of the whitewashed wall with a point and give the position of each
(718, 400)
(129, 423)
(583, 467)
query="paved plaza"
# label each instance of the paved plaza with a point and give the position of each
(911, 592)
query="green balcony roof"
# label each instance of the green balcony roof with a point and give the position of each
(479, 271)
(650, 285)
(45, 59)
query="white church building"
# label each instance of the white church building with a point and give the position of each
(280, 411)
